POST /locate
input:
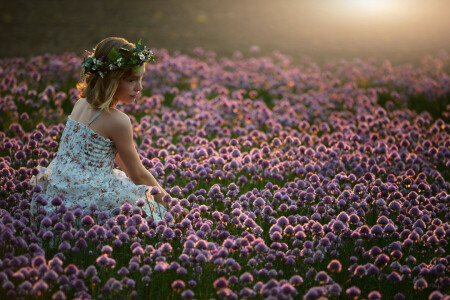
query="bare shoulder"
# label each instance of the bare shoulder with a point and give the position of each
(116, 117)
(118, 123)
(79, 110)
(78, 104)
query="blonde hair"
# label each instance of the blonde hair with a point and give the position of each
(98, 91)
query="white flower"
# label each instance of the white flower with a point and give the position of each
(141, 56)
(111, 67)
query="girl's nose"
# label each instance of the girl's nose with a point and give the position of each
(138, 87)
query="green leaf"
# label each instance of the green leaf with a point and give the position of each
(137, 68)
(113, 55)
(139, 46)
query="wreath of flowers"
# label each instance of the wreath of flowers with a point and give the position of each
(122, 59)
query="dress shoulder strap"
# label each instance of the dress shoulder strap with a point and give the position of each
(94, 117)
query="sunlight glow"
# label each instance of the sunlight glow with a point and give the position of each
(381, 10)
(373, 5)
(375, 8)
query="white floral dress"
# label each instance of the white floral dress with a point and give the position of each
(83, 172)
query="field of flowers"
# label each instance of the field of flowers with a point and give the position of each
(302, 181)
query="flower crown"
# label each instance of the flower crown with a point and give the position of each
(115, 60)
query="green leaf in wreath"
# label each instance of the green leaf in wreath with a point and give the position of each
(139, 46)
(113, 55)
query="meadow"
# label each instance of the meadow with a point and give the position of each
(303, 182)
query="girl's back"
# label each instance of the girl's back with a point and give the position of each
(83, 112)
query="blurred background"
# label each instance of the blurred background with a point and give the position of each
(403, 31)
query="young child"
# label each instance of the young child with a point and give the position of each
(97, 133)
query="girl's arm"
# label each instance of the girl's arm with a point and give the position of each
(121, 164)
(121, 133)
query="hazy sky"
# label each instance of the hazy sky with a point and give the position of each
(395, 28)
(399, 30)
(382, 23)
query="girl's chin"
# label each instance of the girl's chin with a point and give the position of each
(130, 99)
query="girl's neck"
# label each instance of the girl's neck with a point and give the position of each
(114, 103)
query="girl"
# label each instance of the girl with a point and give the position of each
(97, 132)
